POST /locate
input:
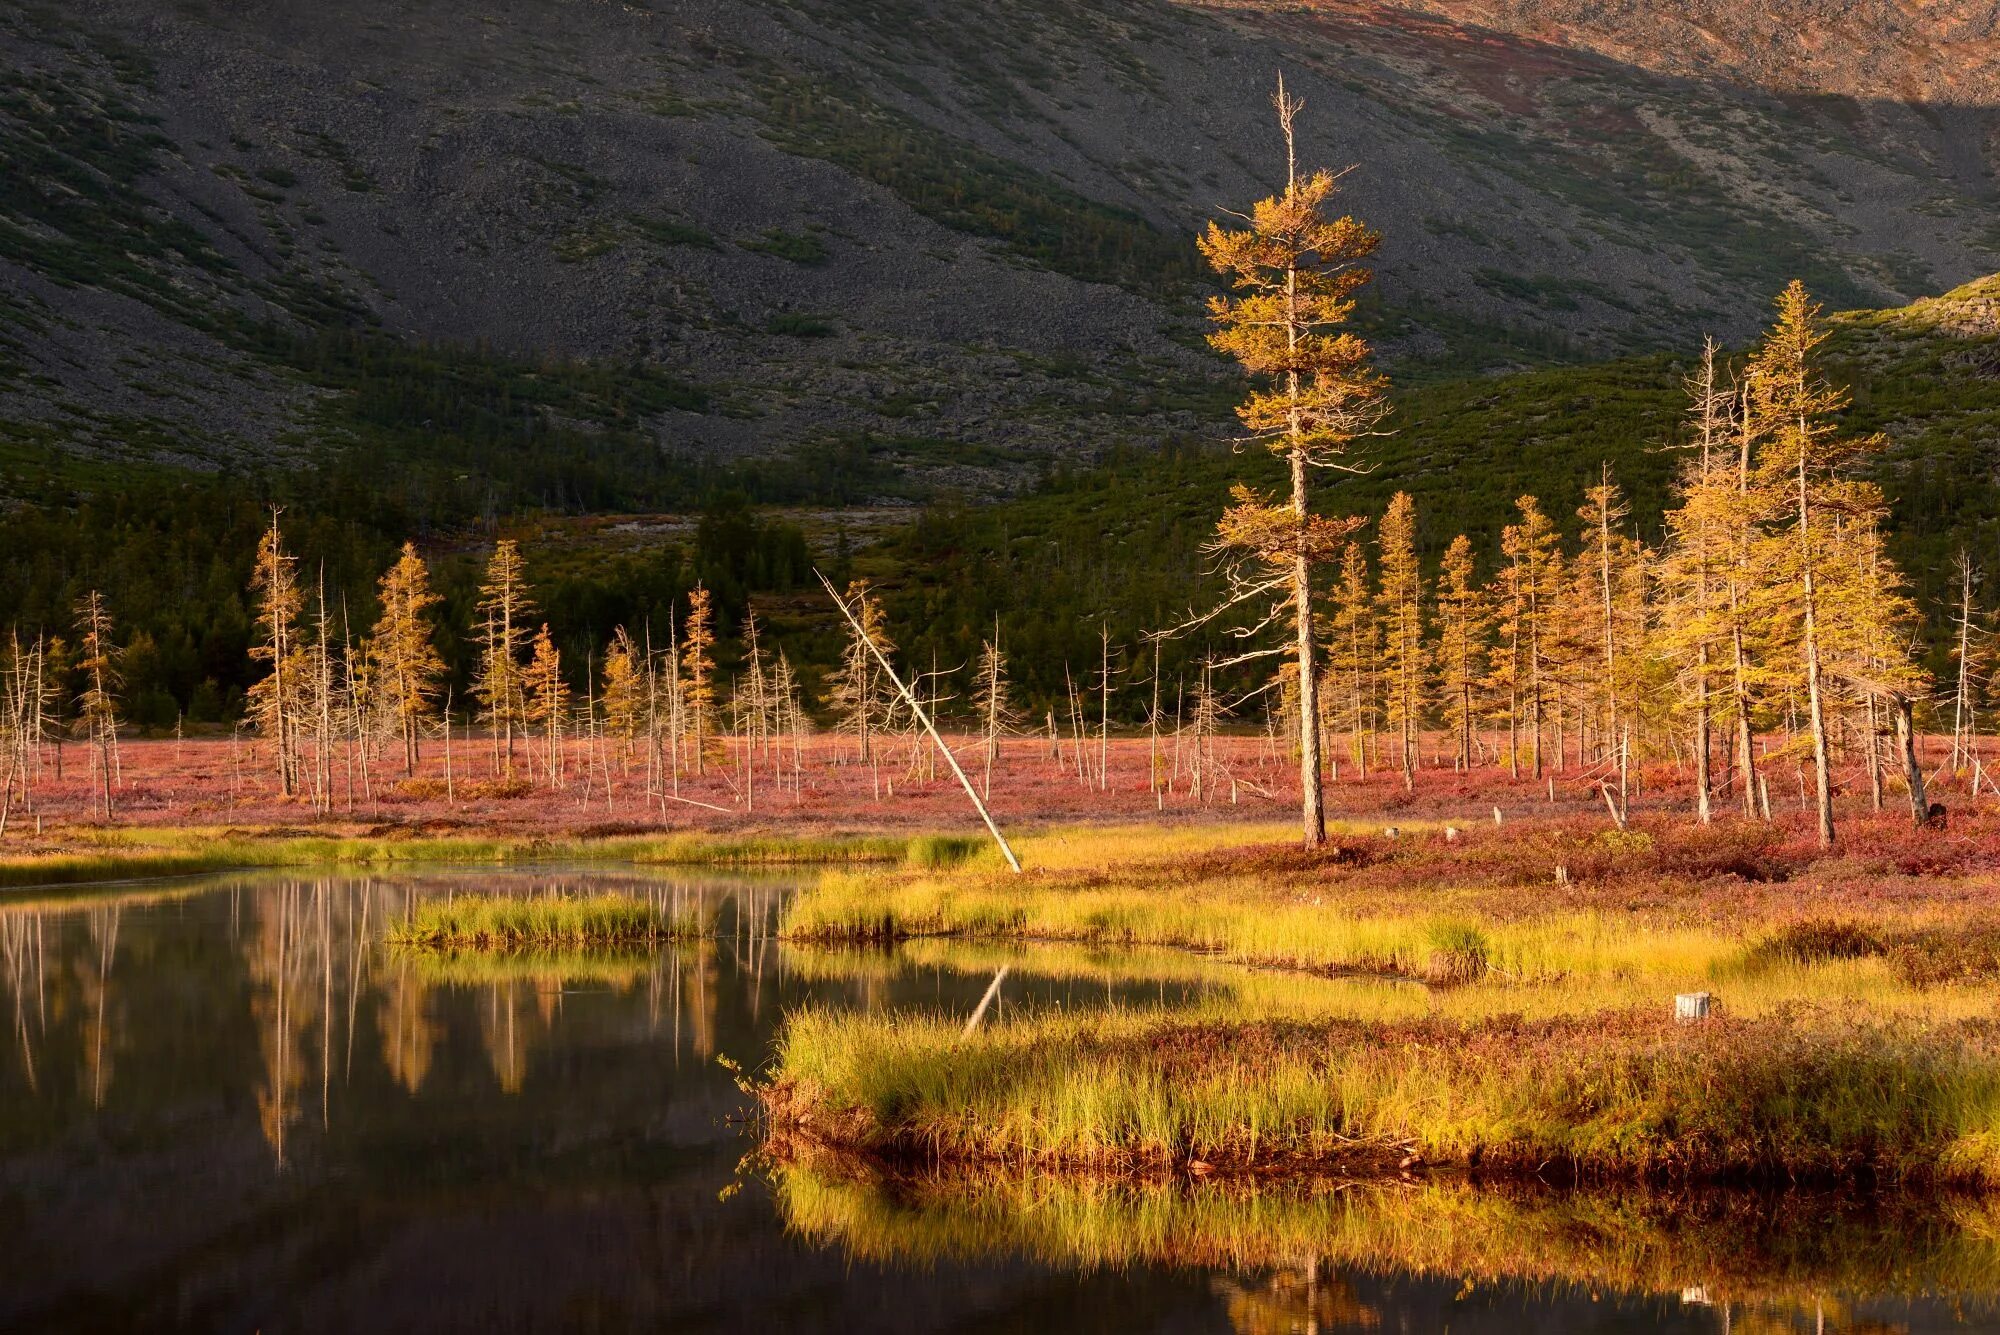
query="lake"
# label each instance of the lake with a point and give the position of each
(226, 1106)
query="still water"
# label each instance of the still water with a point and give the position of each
(225, 1106)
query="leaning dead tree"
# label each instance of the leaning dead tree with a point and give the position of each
(854, 621)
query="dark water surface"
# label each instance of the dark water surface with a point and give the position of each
(225, 1106)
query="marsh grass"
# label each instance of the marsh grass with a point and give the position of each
(1539, 1044)
(1392, 1016)
(512, 923)
(1334, 911)
(1247, 921)
(1798, 1095)
(1922, 956)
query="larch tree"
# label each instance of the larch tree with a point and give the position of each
(1401, 601)
(992, 704)
(405, 661)
(753, 695)
(1294, 271)
(1536, 570)
(1701, 633)
(1802, 459)
(1868, 626)
(1613, 564)
(547, 699)
(698, 662)
(857, 690)
(97, 706)
(1459, 653)
(1971, 644)
(1504, 675)
(1356, 653)
(625, 695)
(505, 605)
(274, 701)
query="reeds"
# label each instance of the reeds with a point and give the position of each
(1801, 1095)
(511, 923)
(1849, 1048)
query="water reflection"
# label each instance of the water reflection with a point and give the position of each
(227, 1106)
(1334, 1255)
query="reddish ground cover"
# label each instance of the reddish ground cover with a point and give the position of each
(220, 782)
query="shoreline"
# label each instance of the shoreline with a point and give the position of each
(153, 853)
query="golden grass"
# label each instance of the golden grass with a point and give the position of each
(564, 922)
(1823, 1094)
(126, 854)
(1546, 1037)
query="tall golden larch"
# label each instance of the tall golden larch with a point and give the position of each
(1293, 273)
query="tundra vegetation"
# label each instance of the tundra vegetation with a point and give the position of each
(1727, 752)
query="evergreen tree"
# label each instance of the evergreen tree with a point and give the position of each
(275, 700)
(624, 690)
(404, 659)
(1403, 628)
(505, 606)
(547, 699)
(97, 706)
(1294, 270)
(1462, 619)
(698, 662)
(1802, 463)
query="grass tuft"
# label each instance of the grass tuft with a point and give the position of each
(1817, 941)
(508, 923)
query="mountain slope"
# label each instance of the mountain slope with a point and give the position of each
(951, 237)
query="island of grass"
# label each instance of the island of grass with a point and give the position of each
(1444, 1006)
(547, 922)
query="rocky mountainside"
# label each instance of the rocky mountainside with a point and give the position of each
(952, 235)
(1929, 51)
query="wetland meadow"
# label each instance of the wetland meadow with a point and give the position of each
(1179, 1077)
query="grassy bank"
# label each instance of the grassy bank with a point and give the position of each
(1673, 904)
(511, 923)
(115, 855)
(1540, 1039)
(1777, 1249)
(1809, 1095)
